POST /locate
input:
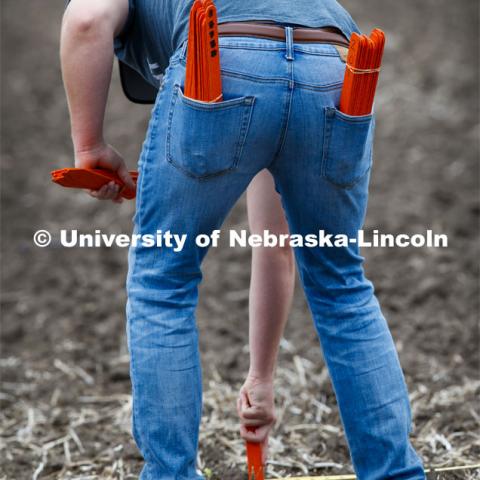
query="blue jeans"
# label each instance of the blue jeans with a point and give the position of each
(279, 112)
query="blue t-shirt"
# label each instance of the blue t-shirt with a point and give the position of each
(156, 28)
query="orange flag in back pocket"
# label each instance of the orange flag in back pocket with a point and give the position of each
(202, 79)
(364, 60)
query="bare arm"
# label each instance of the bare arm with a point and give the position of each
(86, 52)
(272, 280)
(271, 290)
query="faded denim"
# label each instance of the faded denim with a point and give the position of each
(279, 112)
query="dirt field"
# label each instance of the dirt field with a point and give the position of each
(65, 396)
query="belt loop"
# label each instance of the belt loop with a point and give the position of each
(289, 43)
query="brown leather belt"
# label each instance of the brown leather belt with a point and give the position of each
(276, 32)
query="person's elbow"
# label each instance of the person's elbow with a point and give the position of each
(86, 19)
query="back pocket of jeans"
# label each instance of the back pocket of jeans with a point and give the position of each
(347, 147)
(206, 139)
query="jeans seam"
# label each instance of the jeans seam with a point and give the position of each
(205, 106)
(151, 135)
(135, 413)
(145, 157)
(285, 123)
(246, 46)
(326, 141)
(254, 78)
(245, 76)
(319, 88)
(286, 81)
(242, 137)
(350, 118)
(279, 48)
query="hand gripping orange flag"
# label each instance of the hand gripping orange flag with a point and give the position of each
(92, 179)
(202, 82)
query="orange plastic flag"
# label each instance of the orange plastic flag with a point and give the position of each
(92, 179)
(202, 77)
(364, 60)
(254, 460)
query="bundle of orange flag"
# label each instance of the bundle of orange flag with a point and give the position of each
(92, 179)
(361, 75)
(202, 80)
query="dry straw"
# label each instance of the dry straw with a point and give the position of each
(87, 436)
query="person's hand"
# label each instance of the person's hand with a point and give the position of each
(105, 156)
(256, 408)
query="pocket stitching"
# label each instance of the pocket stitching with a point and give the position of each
(326, 140)
(240, 142)
(206, 106)
(350, 118)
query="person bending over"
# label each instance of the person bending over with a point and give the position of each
(278, 124)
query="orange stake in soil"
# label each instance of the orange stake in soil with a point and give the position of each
(254, 456)
(254, 459)
(361, 75)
